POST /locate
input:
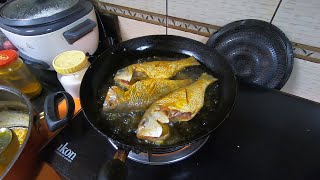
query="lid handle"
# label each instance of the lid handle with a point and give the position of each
(51, 110)
(77, 32)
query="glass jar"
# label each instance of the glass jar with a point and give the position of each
(14, 73)
(71, 67)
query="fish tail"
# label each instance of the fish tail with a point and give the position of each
(190, 61)
(207, 78)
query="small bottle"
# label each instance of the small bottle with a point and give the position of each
(71, 67)
(14, 73)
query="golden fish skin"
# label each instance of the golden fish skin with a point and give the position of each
(180, 105)
(154, 69)
(140, 95)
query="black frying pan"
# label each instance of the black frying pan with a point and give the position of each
(126, 53)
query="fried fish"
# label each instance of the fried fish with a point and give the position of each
(154, 69)
(180, 105)
(140, 95)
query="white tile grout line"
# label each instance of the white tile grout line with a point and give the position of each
(166, 17)
(275, 12)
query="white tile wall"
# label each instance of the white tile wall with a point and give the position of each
(202, 39)
(156, 6)
(300, 20)
(130, 28)
(221, 12)
(304, 80)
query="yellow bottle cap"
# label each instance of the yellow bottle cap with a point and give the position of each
(70, 62)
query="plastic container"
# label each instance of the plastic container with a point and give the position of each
(14, 73)
(71, 67)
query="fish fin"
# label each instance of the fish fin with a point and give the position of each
(176, 115)
(139, 74)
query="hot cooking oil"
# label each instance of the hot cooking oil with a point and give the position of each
(124, 125)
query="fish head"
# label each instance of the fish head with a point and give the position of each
(150, 124)
(152, 130)
(123, 77)
(149, 129)
(112, 99)
(165, 134)
(161, 116)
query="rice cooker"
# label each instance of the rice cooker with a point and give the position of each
(42, 29)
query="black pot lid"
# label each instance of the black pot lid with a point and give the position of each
(19, 13)
(34, 9)
(258, 52)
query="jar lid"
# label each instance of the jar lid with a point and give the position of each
(7, 57)
(70, 62)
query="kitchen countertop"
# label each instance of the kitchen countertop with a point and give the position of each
(269, 135)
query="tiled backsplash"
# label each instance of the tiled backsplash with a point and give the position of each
(132, 28)
(197, 37)
(199, 19)
(304, 80)
(156, 6)
(221, 12)
(300, 20)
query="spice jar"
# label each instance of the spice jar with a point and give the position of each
(14, 73)
(71, 67)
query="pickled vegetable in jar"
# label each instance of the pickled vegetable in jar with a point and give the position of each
(14, 73)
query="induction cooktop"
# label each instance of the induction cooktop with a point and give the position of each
(268, 135)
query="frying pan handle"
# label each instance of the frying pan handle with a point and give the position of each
(51, 110)
(115, 168)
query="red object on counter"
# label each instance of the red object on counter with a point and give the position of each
(29, 166)
(8, 45)
(7, 57)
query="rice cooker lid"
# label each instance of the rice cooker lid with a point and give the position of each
(33, 12)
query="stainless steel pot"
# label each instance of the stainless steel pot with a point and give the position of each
(17, 114)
